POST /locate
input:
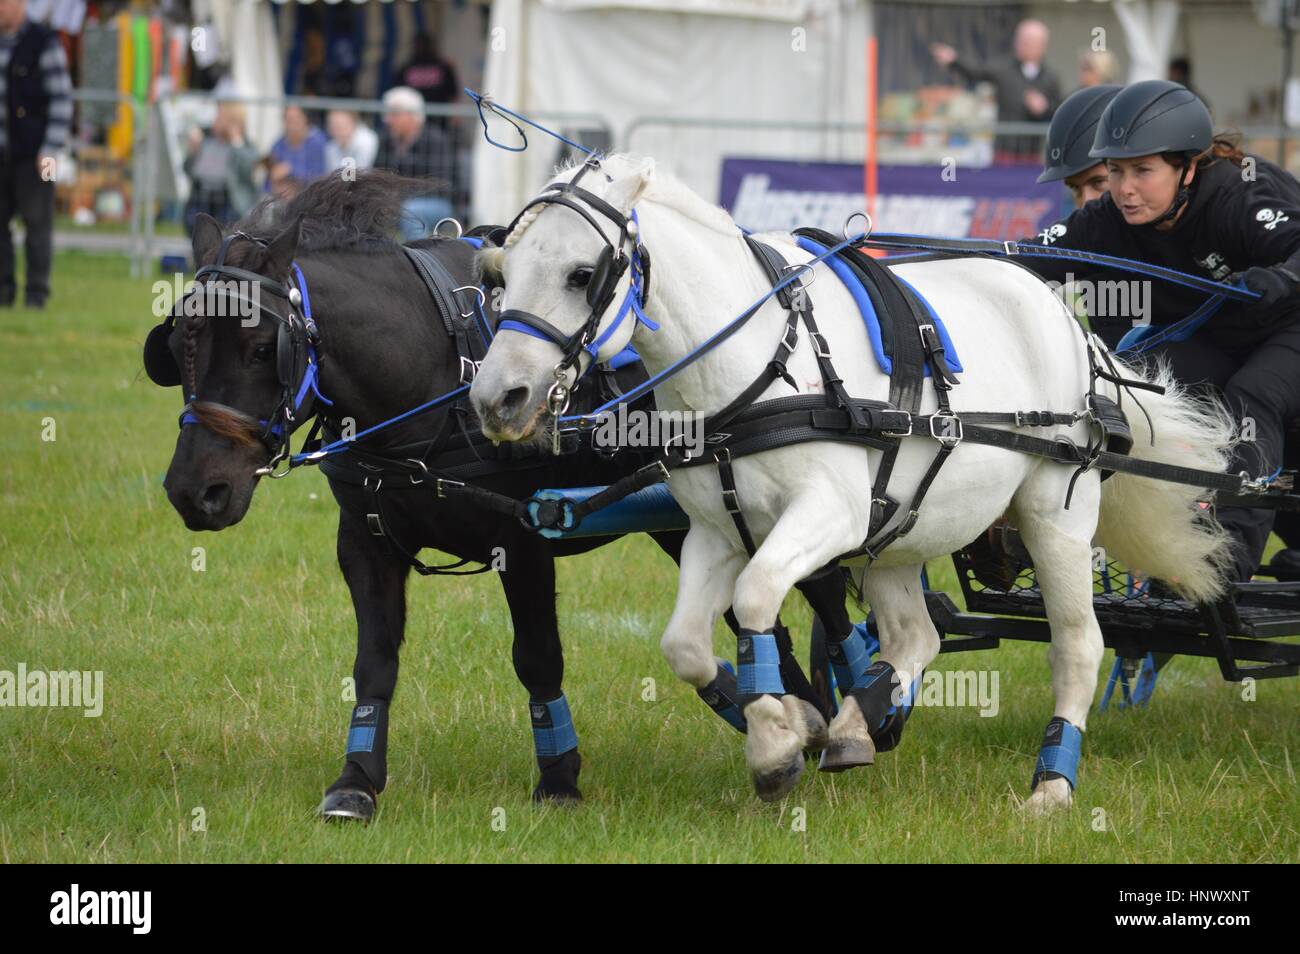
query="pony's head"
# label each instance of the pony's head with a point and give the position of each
(224, 346)
(566, 267)
(240, 344)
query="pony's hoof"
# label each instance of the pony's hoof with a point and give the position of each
(1052, 795)
(840, 755)
(556, 795)
(776, 784)
(347, 804)
(807, 723)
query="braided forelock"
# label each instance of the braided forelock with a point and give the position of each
(527, 219)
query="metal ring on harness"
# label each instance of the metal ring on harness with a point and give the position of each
(482, 298)
(870, 225)
(460, 230)
(811, 269)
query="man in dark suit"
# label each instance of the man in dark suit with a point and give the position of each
(35, 119)
(1027, 91)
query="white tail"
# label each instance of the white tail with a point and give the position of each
(1155, 527)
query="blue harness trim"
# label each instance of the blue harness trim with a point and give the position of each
(553, 731)
(1144, 338)
(760, 664)
(844, 272)
(1060, 752)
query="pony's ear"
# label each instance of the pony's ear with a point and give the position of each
(207, 236)
(626, 191)
(282, 248)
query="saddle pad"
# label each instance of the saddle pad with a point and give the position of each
(869, 317)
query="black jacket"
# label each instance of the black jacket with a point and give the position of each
(1231, 223)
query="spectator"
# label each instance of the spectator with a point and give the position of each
(1097, 68)
(349, 139)
(299, 153)
(220, 165)
(37, 117)
(410, 147)
(1180, 72)
(1027, 90)
(429, 74)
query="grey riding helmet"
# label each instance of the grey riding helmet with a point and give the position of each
(1152, 117)
(1073, 129)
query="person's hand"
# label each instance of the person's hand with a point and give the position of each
(1035, 102)
(943, 54)
(1272, 284)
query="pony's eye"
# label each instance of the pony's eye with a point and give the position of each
(263, 352)
(579, 277)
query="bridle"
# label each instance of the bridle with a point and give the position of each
(613, 261)
(297, 347)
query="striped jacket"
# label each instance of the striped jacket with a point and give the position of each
(37, 118)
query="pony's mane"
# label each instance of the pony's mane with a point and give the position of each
(665, 189)
(357, 212)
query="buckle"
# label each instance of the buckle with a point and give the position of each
(731, 501)
(441, 482)
(906, 433)
(947, 439)
(468, 369)
(790, 340)
(922, 329)
(1010, 247)
(376, 528)
(820, 347)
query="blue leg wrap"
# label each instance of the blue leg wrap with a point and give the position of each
(368, 740)
(553, 732)
(851, 656)
(760, 665)
(723, 697)
(1059, 756)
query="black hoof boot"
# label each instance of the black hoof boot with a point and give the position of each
(890, 734)
(559, 782)
(348, 804)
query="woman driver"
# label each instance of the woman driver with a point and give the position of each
(1187, 200)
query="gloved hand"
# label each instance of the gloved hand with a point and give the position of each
(1273, 284)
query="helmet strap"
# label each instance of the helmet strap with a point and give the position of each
(1180, 197)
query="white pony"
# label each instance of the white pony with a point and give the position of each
(808, 504)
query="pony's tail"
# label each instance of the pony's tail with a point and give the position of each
(1158, 528)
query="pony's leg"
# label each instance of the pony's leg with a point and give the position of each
(529, 584)
(377, 581)
(720, 699)
(833, 639)
(708, 570)
(908, 643)
(1060, 542)
(781, 726)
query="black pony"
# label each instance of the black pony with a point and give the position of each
(350, 332)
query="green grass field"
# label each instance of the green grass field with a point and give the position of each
(223, 688)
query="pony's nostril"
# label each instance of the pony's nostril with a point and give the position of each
(214, 498)
(513, 400)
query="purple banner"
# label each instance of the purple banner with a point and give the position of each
(999, 202)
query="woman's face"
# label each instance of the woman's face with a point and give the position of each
(1143, 188)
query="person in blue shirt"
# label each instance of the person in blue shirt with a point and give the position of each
(299, 155)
